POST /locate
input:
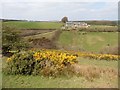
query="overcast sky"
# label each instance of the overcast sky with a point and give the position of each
(47, 10)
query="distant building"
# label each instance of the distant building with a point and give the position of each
(75, 25)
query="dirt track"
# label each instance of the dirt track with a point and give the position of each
(33, 32)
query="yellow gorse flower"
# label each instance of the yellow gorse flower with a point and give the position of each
(55, 56)
(9, 59)
(99, 56)
(60, 57)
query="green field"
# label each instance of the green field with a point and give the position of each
(33, 25)
(92, 41)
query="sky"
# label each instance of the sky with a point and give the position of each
(48, 10)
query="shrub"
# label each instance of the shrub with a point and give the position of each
(11, 40)
(43, 62)
(20, 63)
(98, 56)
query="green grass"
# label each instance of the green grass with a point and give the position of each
(19, 81)
(66, 38)
(33, 25)
(99, 63)
(92, 41)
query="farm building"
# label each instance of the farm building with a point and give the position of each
(75, 25)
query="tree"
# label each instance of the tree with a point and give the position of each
(64, 19)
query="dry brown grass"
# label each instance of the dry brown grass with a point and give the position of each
(111, 50)
(91, 72)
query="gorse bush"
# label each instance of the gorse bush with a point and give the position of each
(43, 62)
(20, 63)
(98, 56)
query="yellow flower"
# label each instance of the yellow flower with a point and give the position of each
(9, 59)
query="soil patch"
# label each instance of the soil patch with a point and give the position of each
(45, 42)
(25, 33)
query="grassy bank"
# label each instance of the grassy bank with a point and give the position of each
(92, 41)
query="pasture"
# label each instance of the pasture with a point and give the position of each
(33, 25)
(91, 41)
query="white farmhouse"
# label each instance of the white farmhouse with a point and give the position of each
(75, 25)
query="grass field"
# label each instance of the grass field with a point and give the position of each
(92, 41)
(33, 25)
(100, 28)
(20, 81)
(106, 80)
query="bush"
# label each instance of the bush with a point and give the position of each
(20, 63)
(11, 40)
(43, 62)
